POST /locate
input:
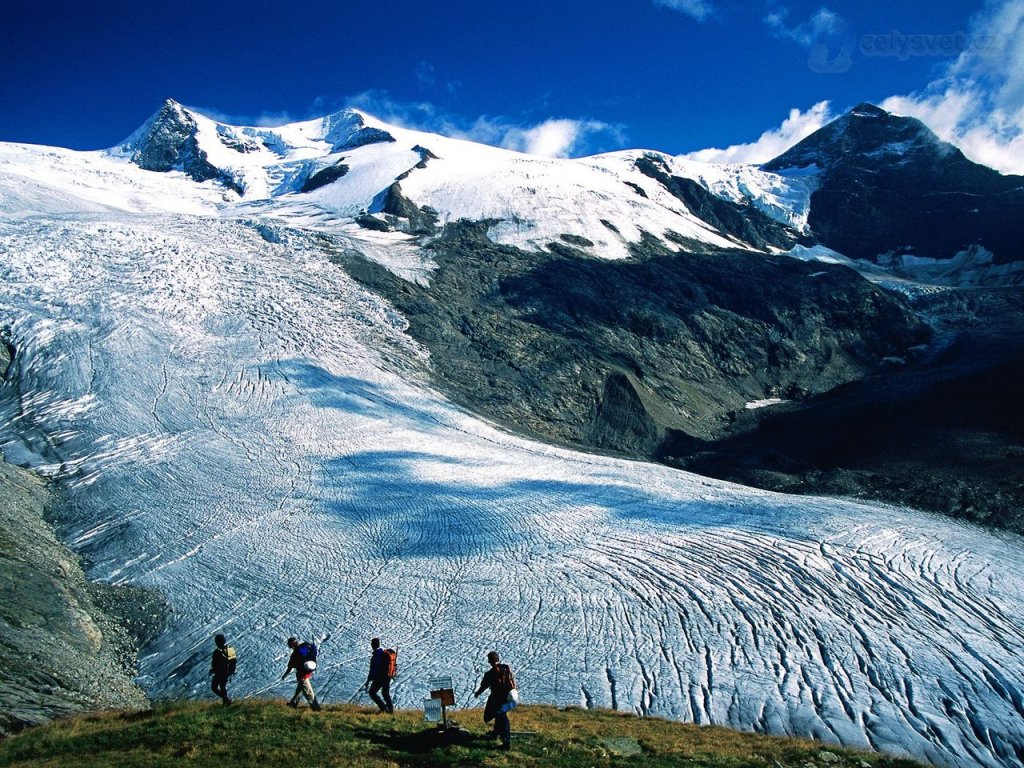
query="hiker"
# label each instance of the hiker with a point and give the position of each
(303, 661)
(379, 677)
(222, 666)
(502, 698)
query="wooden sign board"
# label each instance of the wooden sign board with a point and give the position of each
(445, 695)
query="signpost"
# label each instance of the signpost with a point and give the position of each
(442, 696)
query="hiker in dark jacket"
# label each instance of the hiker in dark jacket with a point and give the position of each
(300, 663)
(379, 678)
(500, 680)
(222, 666)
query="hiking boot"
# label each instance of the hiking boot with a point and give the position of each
(293, 704)
(315, 704)
(506, 745)
(227, 701)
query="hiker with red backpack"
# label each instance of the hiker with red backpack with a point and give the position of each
(303, 661)
(503, 698)
(382, 670)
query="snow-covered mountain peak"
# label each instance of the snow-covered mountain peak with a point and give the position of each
(170, 111)
(348, 169)
(348, 129)
(250, 160)
(171, 141)
(867, 109)
(866, 131)
(351, 172)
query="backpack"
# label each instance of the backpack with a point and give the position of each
(224, 661)
(308, 653)
(503, 678)
(390, 662)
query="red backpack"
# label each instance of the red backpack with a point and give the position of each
(390, 662)
(503, 677)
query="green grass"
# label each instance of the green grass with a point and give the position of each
(267, 734)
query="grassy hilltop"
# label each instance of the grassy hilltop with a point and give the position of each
(268, 734)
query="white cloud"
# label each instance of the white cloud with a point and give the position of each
(554, 137)
(978, 102)
(799, 125)
(426, 75)
(822, 24)
(698, 9)
(825, 35)
(262, 120)
(557, 137)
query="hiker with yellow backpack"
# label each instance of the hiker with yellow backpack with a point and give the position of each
(222, 666)
(383, 668)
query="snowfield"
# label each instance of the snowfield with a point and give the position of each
(239, 425)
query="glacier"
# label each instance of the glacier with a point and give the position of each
(238, 424)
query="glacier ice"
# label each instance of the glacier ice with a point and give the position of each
(241, 426)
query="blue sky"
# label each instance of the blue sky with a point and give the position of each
(673, 75)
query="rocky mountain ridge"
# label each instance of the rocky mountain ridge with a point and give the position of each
(635, 356)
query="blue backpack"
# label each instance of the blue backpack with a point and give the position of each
(308, 653)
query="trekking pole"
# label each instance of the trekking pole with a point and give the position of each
(264, 689)
(355, 695)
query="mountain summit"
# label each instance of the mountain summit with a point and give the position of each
(169, 141)
(865, 134)
(889, 190)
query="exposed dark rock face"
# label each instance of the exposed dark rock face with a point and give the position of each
(401, 213)
(170, 143)
(346, 130)
(622, 419)
(636, 188)
(744, 222)
(631, 355)
(578, 241)
(237, 141)
(367, 221)
(64, 647)
(425, 156)
(325, 176)
(6, 354)
(945, 436)
(889, 185)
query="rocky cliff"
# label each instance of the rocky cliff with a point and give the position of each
(66, 645)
